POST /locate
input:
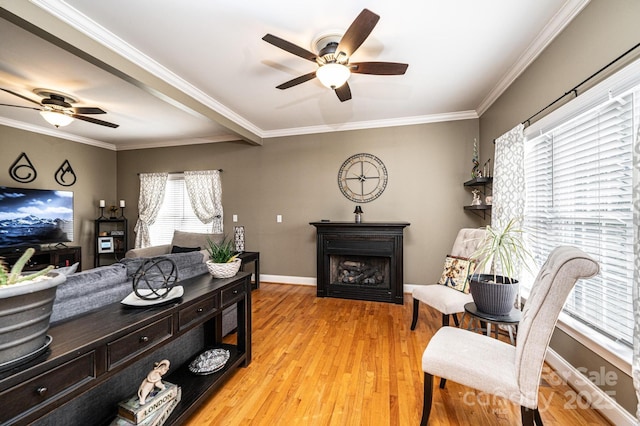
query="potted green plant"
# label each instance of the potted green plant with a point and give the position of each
(223, 260)
(505, 249)
(26, 302)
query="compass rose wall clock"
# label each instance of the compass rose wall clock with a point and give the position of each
(362, 178)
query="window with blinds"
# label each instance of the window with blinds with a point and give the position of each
(579, 192)
(175, 214)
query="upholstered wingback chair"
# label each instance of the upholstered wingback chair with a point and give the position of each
(496, 367)
(448, 301)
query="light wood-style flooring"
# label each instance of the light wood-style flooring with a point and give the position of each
(326, 361)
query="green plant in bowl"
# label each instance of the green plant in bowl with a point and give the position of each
(222, 252)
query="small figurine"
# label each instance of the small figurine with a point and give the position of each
(476, 198)
(153, 380)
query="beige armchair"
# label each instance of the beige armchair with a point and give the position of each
(498, 368)
(448, 301)
(180, 239)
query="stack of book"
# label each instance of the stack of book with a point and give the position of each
(154, 412)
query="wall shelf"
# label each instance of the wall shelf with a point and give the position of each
(485, 185)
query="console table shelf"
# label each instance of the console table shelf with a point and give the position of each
(83, 358)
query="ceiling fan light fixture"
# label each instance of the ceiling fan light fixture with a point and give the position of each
(333, 75)
(58, 119)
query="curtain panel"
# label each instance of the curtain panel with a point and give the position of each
(508, 181)
(152, 186)
(205, 194)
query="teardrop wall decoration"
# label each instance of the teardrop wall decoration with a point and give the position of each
(22, 170)
(65, 175)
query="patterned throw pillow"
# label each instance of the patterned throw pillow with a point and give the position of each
(456, 273)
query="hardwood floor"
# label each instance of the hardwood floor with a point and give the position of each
(325, 361)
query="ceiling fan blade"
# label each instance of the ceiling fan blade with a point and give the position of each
(378, 68)
(18, 106)
(297, 80)
(290, 47)
(358, 32)
(88, 110)
(95, 121)
(20, 96)
(343, 92)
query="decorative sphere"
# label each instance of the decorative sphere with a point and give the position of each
(155, 278)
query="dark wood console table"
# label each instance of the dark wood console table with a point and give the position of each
(89, 350)
(249, 257)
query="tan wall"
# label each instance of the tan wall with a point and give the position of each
(95, 169)
(604, 30)
(297, 178)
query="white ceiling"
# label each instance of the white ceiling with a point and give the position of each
(197, 71)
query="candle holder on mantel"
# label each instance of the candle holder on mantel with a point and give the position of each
(358, 212)
(101, 206)
(121, 209)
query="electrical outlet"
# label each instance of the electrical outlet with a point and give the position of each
(235, 218)
(279, 218)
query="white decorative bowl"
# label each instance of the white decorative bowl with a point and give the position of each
(224, 270)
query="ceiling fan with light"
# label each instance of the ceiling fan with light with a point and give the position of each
(334, 53)
(56, 108)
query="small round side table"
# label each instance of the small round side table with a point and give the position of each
(511, 320)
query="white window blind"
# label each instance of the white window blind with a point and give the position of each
(579, 192)
(175, 214)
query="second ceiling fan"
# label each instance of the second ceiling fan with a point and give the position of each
(334, 54)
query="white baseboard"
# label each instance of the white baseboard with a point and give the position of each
(408, 288)
(283, 279)
(597, 398)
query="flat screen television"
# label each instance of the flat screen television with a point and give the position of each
(30, 217)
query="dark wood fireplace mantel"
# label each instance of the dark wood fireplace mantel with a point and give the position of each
(361, 261)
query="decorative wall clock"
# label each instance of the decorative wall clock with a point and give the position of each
(362, 178)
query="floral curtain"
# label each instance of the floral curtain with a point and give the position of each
(205, 193)
(152, 186)
(508, 182)
(635, 365)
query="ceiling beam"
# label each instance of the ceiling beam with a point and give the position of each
(41, 23)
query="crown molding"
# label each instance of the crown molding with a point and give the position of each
(373, 124)
(564, 16)
(180, 142)
(56, 133)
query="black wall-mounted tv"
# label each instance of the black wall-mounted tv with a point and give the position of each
(31, 217)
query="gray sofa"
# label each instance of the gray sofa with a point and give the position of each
(181, 241)
(91, 289)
